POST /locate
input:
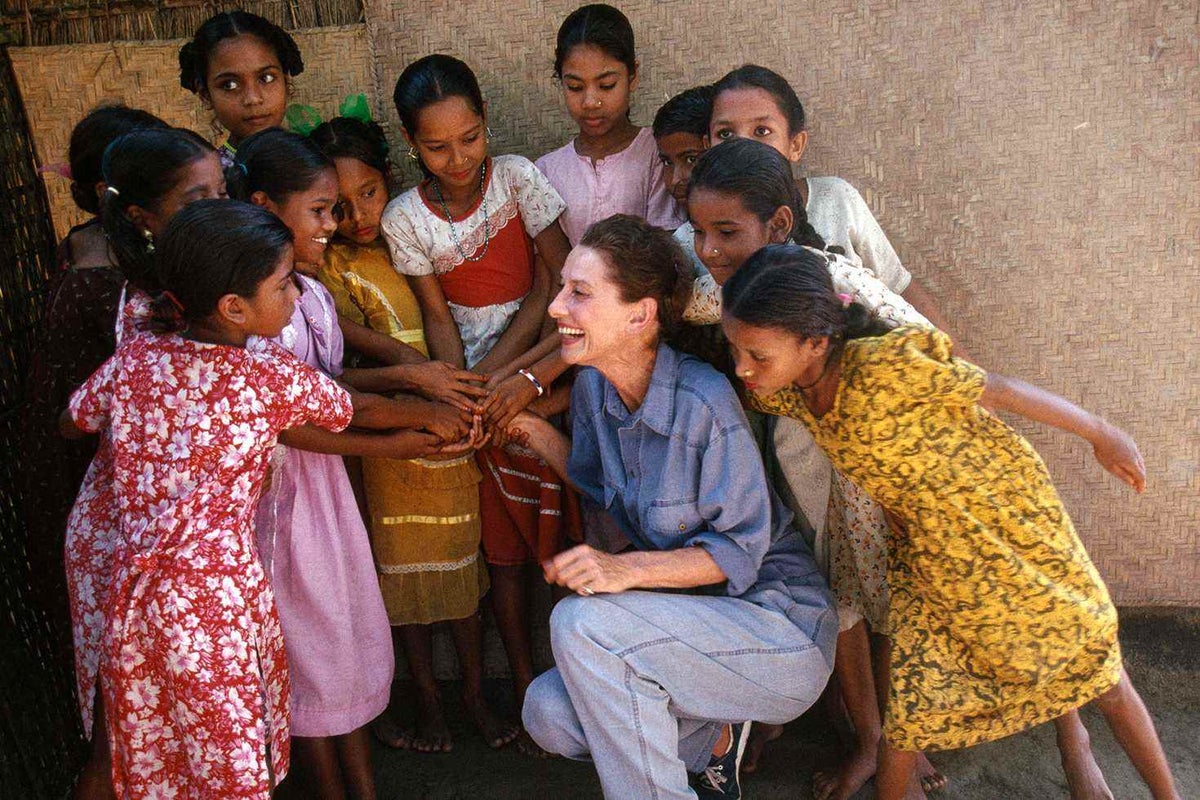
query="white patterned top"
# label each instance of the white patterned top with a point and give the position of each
(420, 241)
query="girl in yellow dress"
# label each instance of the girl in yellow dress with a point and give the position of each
(1000, 620)
(423, 514)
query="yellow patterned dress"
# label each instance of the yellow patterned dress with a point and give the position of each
(424, 514)
(1000, 621)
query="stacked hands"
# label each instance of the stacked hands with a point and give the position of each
(468, 411)
(471, 411)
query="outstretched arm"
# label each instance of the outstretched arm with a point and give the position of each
(1114, 448)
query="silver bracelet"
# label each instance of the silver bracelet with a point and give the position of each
(541, 390)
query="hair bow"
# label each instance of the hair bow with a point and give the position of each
(303, 119)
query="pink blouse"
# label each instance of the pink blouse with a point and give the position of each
(628, 182)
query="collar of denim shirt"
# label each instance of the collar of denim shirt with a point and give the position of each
(657, 411)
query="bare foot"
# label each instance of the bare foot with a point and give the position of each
(386, 729)
(526, 746)
(1084, 778)
(849, 776)
(761, 734)
(496, 732)
(433, 735)
(931, 779)
(915, 790)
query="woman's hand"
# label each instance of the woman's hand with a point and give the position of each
(588, 571)
(437, 380)
(1118, 453)
(506, 399)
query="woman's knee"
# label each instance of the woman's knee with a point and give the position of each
(574, 618)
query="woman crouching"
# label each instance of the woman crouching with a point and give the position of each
(715, 613)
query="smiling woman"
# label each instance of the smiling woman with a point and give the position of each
(660, 442)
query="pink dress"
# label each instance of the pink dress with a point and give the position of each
(628, 182)
(192, 670)
(315, 549)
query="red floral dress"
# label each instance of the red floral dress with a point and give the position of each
(92, 530)
(192, 668)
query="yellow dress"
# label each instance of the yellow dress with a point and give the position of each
(999, 619)
(424, 514)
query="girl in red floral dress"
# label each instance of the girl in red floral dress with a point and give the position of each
(193, 670)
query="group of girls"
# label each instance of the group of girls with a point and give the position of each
(228, 627)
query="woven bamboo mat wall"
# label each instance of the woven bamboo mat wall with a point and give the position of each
(1036, 164)
(46, 22)
(59, 85)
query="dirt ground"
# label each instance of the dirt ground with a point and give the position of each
(1162, 652)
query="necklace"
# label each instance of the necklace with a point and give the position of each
(487, 230)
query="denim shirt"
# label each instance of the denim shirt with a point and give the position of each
(683, 470)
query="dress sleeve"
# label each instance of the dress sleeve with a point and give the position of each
(914, 364)
(409, 256)
(735, 503)
(869, 240)
(91, 404)
(539, 203)
(308, 396)
(854, 279)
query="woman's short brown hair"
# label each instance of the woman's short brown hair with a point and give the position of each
(644, 261)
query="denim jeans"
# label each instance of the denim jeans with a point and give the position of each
(646, 680)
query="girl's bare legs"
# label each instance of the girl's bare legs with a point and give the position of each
(433, 735)
(95, 781)
(1084, 778)
(1133, 729)
(853, 667)
(510, 606)
(316, 773)
(881, 651)
(468, 642)
(896, 778)
(354, 757)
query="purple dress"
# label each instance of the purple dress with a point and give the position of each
(315, 550)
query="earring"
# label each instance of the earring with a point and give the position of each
(412, 152)
(149, 237)
(487, 133)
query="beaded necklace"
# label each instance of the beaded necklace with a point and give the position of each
(487, 230)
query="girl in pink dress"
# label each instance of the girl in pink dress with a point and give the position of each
(193, 671)
(311, 536)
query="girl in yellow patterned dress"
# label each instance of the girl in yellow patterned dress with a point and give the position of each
(1000, 621)
(423, 514)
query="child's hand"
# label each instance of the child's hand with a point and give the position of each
(1118, 453)
(438, 381)
(448, 423)
(405, 444)
(507, 398)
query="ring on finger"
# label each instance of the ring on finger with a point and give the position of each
(587, 591)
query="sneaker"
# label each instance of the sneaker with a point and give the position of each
(720, 778)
